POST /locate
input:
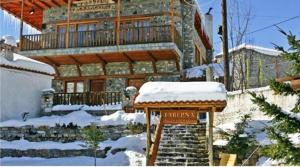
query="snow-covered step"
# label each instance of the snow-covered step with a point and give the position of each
(182, 145)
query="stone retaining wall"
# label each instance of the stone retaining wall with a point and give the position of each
(60, 134)
(52, 153)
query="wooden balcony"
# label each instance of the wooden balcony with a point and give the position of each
(87, 98)
(98, 38)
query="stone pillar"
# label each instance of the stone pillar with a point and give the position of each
(128, 97)
(47, 100)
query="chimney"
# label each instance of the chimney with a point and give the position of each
(209, 26)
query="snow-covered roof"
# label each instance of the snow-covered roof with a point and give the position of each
(263, 50)
(9, 40)
(25, 63)
(181, 92)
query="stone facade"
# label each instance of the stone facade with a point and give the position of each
(255, 69)
(157, 12)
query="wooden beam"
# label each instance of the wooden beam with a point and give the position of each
(68, 23)
(153, 60)
(100, 59)
(177, 64)
(75, 60)
(172, 20)
(21, 24)
(51, 61)
(130, 61)
(28, 3)
(210, 136)
(62, 2)
(103, 63)
(148, 124)
(127, 57)
(118, 22)
(42, 4)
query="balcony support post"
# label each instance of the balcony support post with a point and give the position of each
(172, 21)
(118, 23)
(68, 24)
(21, 24)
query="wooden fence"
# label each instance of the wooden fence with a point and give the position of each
(87, 98)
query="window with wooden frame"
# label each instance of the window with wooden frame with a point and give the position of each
(80, 33)
(74, 87)
(134, 30)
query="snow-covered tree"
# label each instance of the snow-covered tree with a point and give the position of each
(93, 136)
(283, 122)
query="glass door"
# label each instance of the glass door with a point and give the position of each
(82, 30)
(61, 36)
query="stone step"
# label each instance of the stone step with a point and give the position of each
(182, 149)
(187, 155)
(181, 164)
(170, 145)
(187, 138)
(192, 142)
(180, 159)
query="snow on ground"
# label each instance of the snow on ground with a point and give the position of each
(133, 156)
(265, 161)
(256, 128)
(82, 118)
(126, 158)
(131, 142)
(86, 107)
(174, 92)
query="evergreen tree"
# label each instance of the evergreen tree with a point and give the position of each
(239, 141)
(93, 136)
(283, 122)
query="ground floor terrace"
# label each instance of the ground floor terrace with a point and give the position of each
(113, 68)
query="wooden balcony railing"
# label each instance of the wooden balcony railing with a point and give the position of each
(130, 35)
(87, 98)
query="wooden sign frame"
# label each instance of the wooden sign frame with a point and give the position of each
(84, 6)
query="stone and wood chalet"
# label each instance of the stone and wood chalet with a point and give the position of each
(108, 45)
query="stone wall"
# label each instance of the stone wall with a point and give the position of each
(60, 134)
(239, 104)
(53, 153)
(256, 68)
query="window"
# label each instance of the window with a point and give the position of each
(75, 87)
(79, 34)
(134, 30)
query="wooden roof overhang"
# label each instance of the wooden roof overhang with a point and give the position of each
(198, 106)
(201, 31)
(125, 56)
(35, 19)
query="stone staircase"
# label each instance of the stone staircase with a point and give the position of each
(182, 145)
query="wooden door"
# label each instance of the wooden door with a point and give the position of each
(136, 83)
(97, 85)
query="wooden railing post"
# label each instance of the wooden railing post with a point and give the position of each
(148, 123)
(210, 136)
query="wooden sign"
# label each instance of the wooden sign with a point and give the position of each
(179, 117)
(83, 6)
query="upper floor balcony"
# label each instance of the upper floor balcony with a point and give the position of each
(102, 38)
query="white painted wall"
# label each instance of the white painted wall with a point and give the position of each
(20, 92)
(239, 104)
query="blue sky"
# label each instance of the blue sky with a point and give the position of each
(265, 13)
